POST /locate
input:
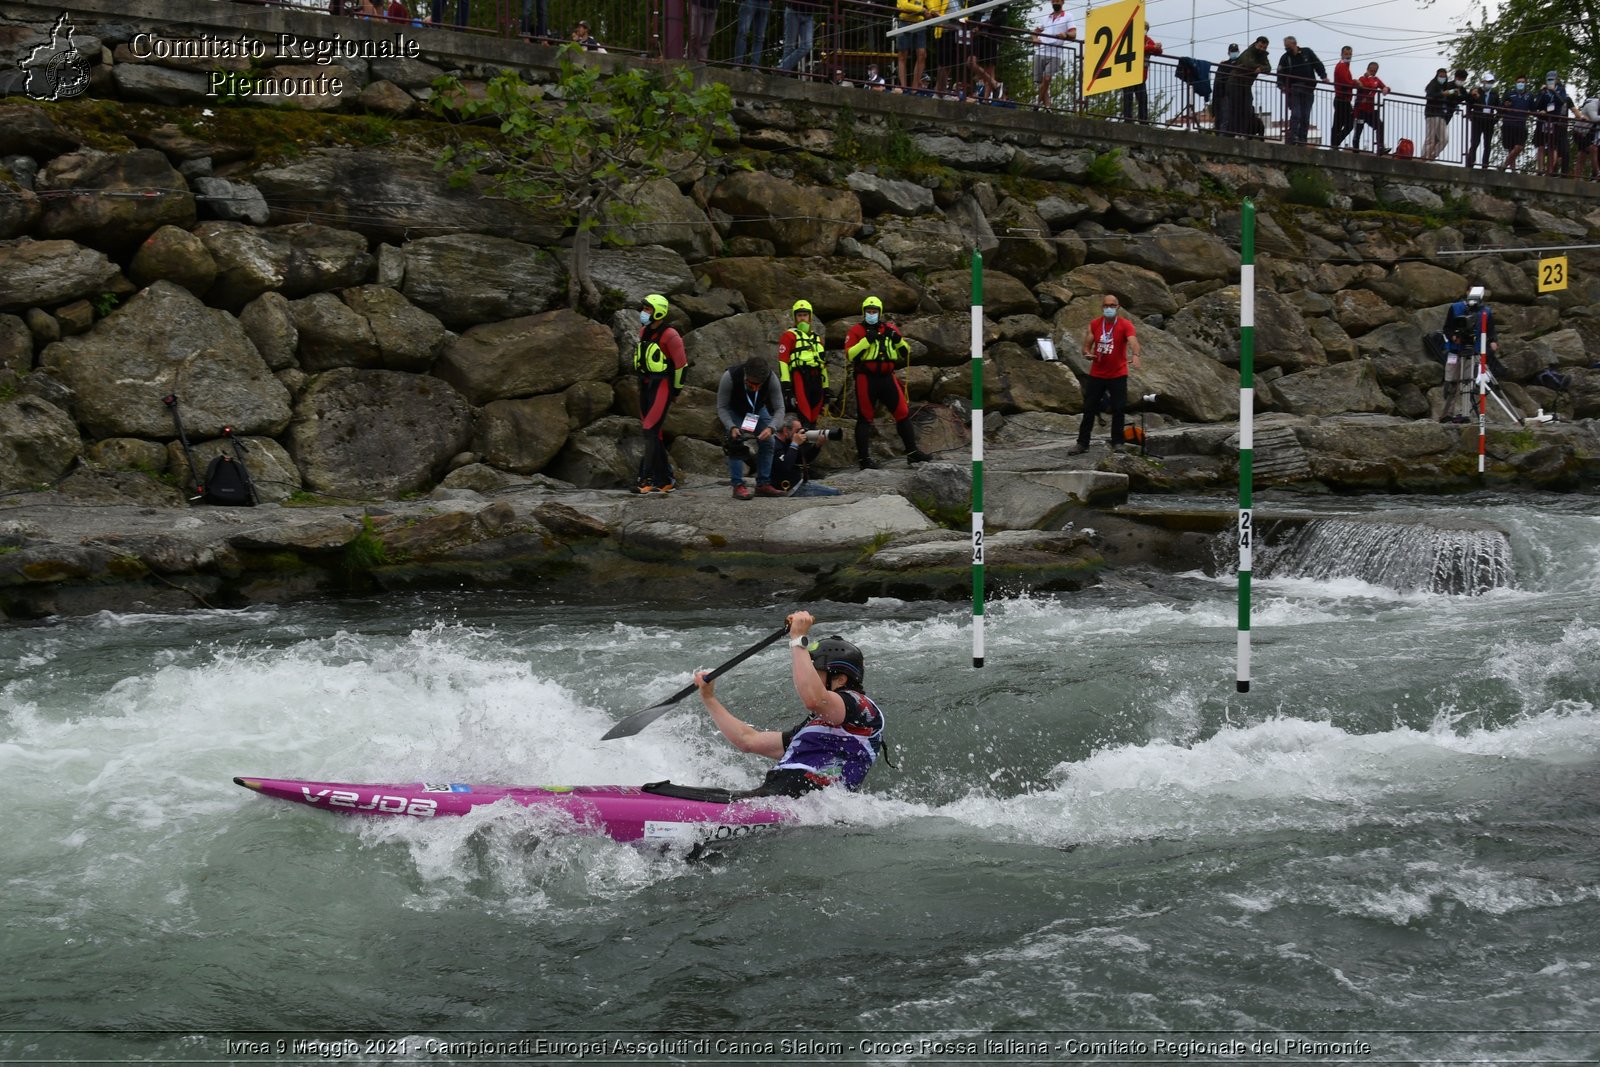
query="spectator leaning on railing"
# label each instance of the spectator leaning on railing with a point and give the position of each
(1483, 111)
(702, 27)
(1515, 108)
(1344, 92)
(1242, 90)
(1052, 29)
(1554, 107)
(1369, 109)
(752, 36)
(799, 25)
(1588, 135)
(1435, 115)
(1299, 70)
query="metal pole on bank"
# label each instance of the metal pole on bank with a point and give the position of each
(1483, 385)
(977, 458)
(1247, 359)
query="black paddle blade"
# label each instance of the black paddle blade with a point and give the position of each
(637, 721)
(640, 719)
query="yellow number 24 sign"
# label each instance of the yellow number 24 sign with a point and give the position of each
(1113, 55)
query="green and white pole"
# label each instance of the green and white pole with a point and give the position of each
(1247, 404)
(977, 458)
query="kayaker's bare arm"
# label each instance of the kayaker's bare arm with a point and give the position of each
(740, 734)
(809, 683)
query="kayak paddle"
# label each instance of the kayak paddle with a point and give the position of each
(640, 719)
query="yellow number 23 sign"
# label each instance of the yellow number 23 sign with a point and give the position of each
(1113, 55)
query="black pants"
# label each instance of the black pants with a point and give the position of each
(1344, 120)
(1482, 130)
(1135, 93)
(1094, 389)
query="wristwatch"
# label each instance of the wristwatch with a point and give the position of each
(803, 641)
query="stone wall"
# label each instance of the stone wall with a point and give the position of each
(307, 277)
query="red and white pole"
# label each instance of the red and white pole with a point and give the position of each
(1483, 386)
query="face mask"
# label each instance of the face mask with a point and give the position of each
(1233, 53)
(1109, 313)
(872, 318)
(1549, 85)
(644, 318)
(1443, 80)
(1522, 85)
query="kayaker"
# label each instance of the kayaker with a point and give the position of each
(842, 734)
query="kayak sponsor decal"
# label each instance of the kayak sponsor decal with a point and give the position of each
(702, 831)
(382, 804)
(438, 787)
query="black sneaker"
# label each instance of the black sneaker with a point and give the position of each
(868, 464)
(917, 455)
(1077, 450)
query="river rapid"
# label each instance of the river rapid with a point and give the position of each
(1091, 846)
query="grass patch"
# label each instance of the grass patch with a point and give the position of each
(366, 551)
(1105, 171)
(1310, 186)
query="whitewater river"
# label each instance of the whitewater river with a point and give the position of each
(1091, 846)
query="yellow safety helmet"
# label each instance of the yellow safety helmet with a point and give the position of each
(657, 305)
(871, 302)
(801, 305)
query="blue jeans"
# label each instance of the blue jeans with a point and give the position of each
(797, 31)
(763, 453)
(752, 34)
(810, 488)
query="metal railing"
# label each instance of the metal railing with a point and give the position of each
(848, 45)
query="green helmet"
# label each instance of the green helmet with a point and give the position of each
(835, 655)
(872, 302)
(657, 304)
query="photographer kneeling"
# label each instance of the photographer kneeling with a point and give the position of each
(797, 448)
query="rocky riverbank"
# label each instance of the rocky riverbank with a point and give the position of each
(419, 403)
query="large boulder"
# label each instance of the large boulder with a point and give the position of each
(165, 341)
(1360, 311)
(16, 345)
(114, 200)
(1211, 324)
(633, 272)
(466, 278)
(799, 220)
(713, 349)
(176, 255)
(296, 260)
(20, 210)
(38, 443)
(602, 455)
(160, 85)
(522, 436)
(47, 273)
(1186, 383)
(1003, 294)
(27, 130)
(834, 286)
(663, 215)
(529, 356)
(377, 433)
(1177, 253)
(1016, 380)
(945, 340)
(1142, 291)
(889, 196)
(407, 337)
(268, 321)
(271, 471)
(1027, 251)
(926, 244)
(1419, 285)
(331, 334)
(390, 197)
(1333, 390)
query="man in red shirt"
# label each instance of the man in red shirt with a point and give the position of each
(1368, 113)
(659, 360)
(1344, 91)
(1108, 343)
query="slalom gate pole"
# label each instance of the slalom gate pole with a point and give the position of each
(1483, 384)
(977, 458)
(1247, 404)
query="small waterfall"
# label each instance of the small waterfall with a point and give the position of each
(1404, 556)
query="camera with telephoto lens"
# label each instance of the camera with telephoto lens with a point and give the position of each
(833, 433)
(1149, 398)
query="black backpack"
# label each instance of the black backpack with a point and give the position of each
(227, 483)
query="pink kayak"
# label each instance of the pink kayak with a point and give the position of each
(659, 811)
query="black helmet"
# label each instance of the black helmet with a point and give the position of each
(835, 655)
